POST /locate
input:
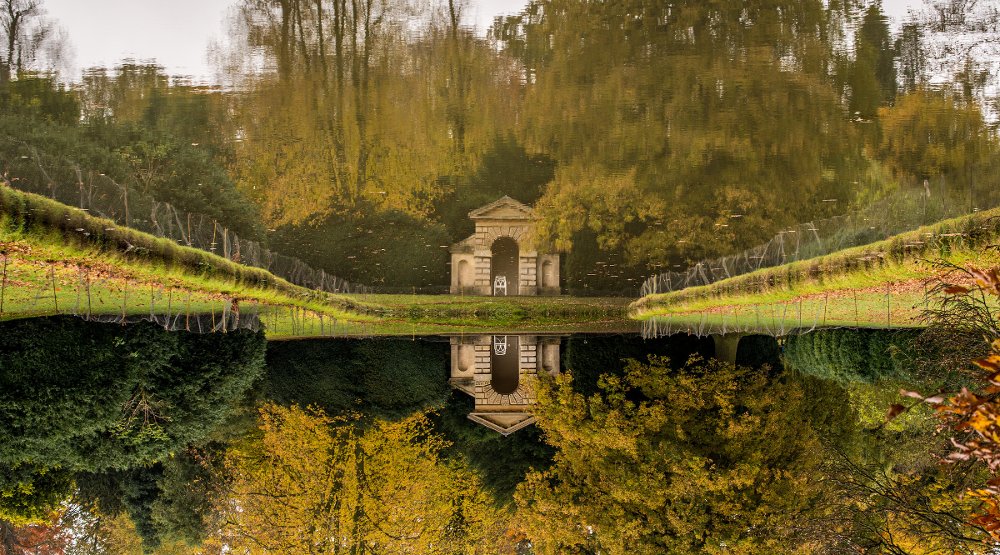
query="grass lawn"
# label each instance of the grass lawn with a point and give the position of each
(523, 313)
(307, 324)
(898, 306)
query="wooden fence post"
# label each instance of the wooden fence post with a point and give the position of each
(52, 274)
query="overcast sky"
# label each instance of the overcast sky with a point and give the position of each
(177, 33)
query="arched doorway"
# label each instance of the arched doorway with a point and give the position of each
(505, 355)
(505, 257)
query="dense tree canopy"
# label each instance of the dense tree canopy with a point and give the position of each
(934, 137)
(79, 396)
(157, 139)
(847, 355)
(92, 396)
(678, 131)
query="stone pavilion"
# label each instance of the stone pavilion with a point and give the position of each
(503, 247)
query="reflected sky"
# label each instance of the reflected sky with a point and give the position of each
(178, 34)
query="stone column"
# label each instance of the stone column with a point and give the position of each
(528, 273)
(528, 357)
(549, 355)
(483, 265)
(528, 363)
(483, 370)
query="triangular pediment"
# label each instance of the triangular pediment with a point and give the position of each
(504, 208)
(505, 423)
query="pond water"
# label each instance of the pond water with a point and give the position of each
(157, 434)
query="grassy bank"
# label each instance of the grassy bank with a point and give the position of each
(60, 260)
(876, 285)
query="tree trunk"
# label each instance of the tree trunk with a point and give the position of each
(458, 99)
(360, 60)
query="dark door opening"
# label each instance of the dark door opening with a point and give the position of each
(505, 258)
(504, 364)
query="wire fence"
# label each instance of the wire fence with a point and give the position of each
(57, 289)
(33, 289)
(30, 169)
(900, 212)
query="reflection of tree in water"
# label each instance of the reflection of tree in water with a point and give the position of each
(396, 378)
(83, 397)
(657, 455)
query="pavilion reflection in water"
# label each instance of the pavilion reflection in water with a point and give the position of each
(499, 372)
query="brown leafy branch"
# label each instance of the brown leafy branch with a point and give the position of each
(972, 306)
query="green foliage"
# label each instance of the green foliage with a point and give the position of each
(42, 98)
(849, 355)
(170, 503)
(872, 78)
(898, 498)
(139, 492)
(912, 56)
(187, 489)
(505, 169)
(380, 377)
(663, 136)
(175, 171)
(64, 381)
(89, 396)
(589, 357)
(141, 94)
(871, 400)
(44, 146)
(30, 493)
(103, 403)
(590, 269)
(932, 135)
